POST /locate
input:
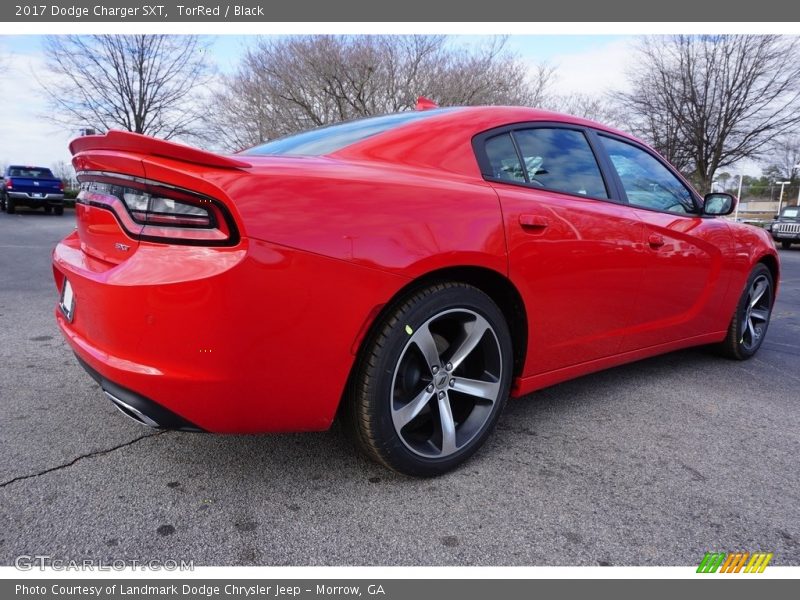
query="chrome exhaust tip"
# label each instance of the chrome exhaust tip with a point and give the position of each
(130, 411)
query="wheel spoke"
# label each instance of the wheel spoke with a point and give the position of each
(427, 345)
(759, 314)
(757, 291)
(752, 331)
(487, 390)
(475, 331)
(745, 321)
(448, 426)
(403, 416)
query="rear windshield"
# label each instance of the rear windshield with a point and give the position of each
(30, 172)
(329, 139)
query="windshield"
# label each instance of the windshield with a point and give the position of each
(329, 139)
(791, 213)
(30, 172)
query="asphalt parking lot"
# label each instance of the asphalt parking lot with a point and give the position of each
(653, 463)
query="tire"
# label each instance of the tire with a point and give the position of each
(750, 321)
(425, 419)
(48, 210)
(59, 210)
(2, 202)
(11, 207)
(786, 245)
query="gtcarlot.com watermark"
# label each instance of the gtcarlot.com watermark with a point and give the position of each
(43, 562)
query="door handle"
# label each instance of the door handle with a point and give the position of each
(655, 240)
(533, 221)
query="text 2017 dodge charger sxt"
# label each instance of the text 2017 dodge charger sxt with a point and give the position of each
(407, 272)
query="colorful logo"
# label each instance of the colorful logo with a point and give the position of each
(734, 562)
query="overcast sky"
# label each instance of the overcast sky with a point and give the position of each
(586, 63)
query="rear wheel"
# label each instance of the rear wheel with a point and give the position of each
(433, 379)
(2, 202)
(59, 210)
(751, 319)
(11, 207)
(48, 210)
(786, 245)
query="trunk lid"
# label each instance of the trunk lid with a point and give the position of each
(135, 188)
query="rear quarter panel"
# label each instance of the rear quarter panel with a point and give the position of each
(404, 220)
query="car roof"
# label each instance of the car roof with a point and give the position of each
(444, 140)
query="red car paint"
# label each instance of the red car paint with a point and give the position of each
(261, 335)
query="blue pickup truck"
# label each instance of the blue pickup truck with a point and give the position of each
(34, 187)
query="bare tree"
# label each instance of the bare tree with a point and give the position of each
(284, 85)
(143, 83)
(706, 102)
(587, 106)
(64, 171)
(782, 159)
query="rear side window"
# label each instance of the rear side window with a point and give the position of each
(504, 159)
(551, 158)
(560, 159)
(647, 182)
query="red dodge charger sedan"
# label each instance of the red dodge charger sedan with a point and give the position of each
(406, 272)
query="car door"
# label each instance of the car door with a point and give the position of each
(574, 253)
(687, 254)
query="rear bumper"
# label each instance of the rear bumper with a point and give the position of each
(249, 339)
(138, 407)
(35, 199)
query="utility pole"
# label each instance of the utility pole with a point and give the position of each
(738, 198)
(780, 199)
(797, 166)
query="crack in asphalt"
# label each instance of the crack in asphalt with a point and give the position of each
(82, 457)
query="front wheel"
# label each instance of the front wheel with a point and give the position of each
(751, 319)
(432, 380)
(786, 245)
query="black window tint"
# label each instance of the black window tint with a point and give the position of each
(560, 159)
(329, 139)
(647, 182)
(503, 158)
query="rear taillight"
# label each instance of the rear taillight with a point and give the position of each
(149, 210)
(61, 186)
(9, 184)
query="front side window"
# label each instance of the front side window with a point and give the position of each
(647, 182)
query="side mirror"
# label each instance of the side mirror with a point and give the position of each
(718, 204)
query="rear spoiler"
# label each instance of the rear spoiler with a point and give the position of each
(126, 141)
